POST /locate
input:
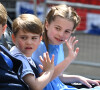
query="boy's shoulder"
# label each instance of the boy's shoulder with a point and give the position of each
(14, 50)
(26, 64)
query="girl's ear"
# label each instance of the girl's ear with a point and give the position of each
(46, 25)
(13, 38)
(4, 28)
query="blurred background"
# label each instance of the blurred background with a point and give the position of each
(87, 62)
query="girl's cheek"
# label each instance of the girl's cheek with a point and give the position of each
(67, 37)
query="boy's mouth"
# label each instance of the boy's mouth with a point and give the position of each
(28, 48)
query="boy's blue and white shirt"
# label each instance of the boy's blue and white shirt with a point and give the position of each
(25, 60)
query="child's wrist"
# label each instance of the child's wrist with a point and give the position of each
(68, 59)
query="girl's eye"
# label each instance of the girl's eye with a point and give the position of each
(57, 28)
(67, 31)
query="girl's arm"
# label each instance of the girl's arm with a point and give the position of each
(40, 82)
(78, 79)
(71, 56)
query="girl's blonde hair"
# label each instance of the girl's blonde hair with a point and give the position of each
(27, 23)
(63, 11)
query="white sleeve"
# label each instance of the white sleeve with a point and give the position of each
(26, 66)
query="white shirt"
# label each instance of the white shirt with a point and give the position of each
(25, 60)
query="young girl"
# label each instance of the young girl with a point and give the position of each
(27, 31)
(60, 23)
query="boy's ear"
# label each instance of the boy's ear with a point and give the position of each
(40, 38)
(4, 28)
(13, 38)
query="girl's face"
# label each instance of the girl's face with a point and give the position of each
(26, 42)
(59, 30)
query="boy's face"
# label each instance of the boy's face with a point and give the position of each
(2, 29)
(26, 42)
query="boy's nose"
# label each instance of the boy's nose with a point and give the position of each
(29, 41)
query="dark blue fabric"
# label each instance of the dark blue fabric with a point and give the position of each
(7, 59)
(16, 63)
(9, 79)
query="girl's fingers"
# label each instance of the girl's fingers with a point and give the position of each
(77, 50)
(69, 40)
(74, 43)
(87, 84)
(72, 39)
(67, 44)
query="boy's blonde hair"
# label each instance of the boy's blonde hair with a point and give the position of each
(3, 15)
(63, 11)
(27, 23)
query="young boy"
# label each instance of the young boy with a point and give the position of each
(27, 34)
(9, 66)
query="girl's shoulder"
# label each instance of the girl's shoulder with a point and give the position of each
(40, 50)
(41, 46)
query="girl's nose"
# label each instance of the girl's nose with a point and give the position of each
(61, 34)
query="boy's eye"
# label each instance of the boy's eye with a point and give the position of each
(34, 37)
(24, 38)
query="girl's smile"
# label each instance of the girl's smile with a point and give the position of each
(59, 40)
(59, 30)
